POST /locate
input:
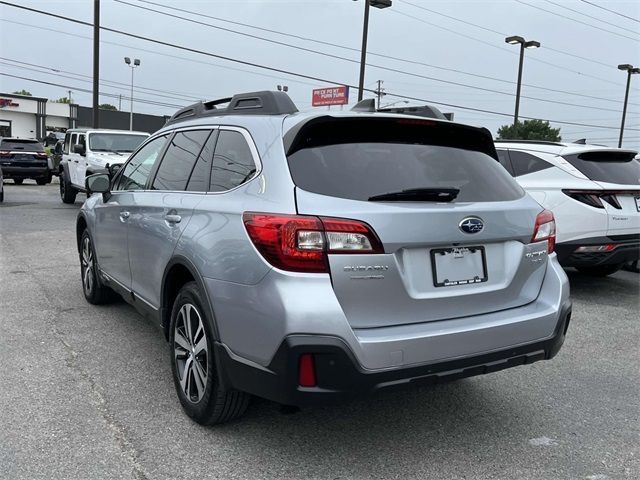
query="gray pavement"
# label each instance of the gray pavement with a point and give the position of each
(86, 392)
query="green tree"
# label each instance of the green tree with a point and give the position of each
(23, 92)
(63, 100)
(529, 130)
(107, 106)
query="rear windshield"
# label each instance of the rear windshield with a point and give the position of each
(608, 166)
(115, 142)
(358, 170)
(24, 145)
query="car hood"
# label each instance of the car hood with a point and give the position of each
(110, 157)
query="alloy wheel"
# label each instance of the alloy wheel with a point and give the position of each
(87, 266)
(191, 352)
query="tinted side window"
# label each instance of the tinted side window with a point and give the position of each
(503, 158)
(67, 142)
(179, 160)
(74, 140)
(233, 162)
(524, 163)
(81, 141)
(136, 172)
(199, 181)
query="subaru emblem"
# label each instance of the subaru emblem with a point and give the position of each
(471, 225)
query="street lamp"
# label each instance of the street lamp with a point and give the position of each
(136, 63)
(630, 70)
(514, 40)
(365, 31)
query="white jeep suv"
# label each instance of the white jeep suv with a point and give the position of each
(594, 193)
(91, 151)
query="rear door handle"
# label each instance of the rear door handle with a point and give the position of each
(124, 215)
(172, 218)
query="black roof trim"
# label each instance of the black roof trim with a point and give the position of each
(253, 103)
(535, 142)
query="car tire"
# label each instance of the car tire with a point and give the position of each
(193, 364)
(600, 271)
(94, 291)
(43, 181)
(18, 181)
(2, 196)
(67, 192)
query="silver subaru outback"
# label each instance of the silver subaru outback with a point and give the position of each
(309, 258)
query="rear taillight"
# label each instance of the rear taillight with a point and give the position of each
(41, 156)
(545, 229)
(301, 243)
(4, 154)
(594, 198)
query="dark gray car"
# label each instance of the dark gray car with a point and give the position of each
(309, 258)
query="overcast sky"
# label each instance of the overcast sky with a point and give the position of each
(462, 35)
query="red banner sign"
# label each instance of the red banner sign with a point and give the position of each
(330, 96)
(7, 102)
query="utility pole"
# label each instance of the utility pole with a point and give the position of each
(119, 102)
(380, 92)
(630, 70)
(96, 62)
(69, 97)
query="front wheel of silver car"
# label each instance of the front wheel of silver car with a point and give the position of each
(94, 291)
(193, 364)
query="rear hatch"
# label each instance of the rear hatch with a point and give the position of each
(22, 153)
(618, 173)
(455, 228)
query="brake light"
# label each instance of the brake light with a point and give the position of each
(307, 371)
(41, 155)
(5, 154)
(545, 229)
(301, 243)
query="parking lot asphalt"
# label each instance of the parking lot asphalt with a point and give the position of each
(86, 391)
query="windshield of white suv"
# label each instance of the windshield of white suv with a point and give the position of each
(115, 142)
(608, 166)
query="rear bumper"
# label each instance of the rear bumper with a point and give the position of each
(340, 376)
(626, 249)
(14, 171)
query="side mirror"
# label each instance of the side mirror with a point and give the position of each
(79, 149)
(98, 183)
(58, 148)
(115, 168)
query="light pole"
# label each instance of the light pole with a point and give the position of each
(136, 63)
(523, 44)
(630, 70)
(365, 31)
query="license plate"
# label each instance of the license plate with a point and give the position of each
(458, 266)
(638, 203)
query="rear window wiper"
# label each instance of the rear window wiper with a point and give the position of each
(418, 195)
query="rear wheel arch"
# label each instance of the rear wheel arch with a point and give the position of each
(177, 273)
(81, 226)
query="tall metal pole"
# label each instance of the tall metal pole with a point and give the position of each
(515, 115)
(624, 109)
(379, 92)
(131, 113)
(96, 62)
(363, 53)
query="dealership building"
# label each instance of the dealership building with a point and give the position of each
(33, 117)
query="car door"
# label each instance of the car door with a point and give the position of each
(73, 160)
(161, 213)
(81, 165)
(113, 215)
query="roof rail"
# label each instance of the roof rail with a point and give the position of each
(254, 103)
(538, 142)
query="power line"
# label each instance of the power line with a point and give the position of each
(85, 90)
(390, 57)
(389, 69)
(286, 72)
(577, 21)
(102, 80)
(610, 11)
(590, 16)
(503, 34)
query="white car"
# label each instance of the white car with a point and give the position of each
(593, 192)
(88, 151)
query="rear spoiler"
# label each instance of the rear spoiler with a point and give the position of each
(329, 130)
